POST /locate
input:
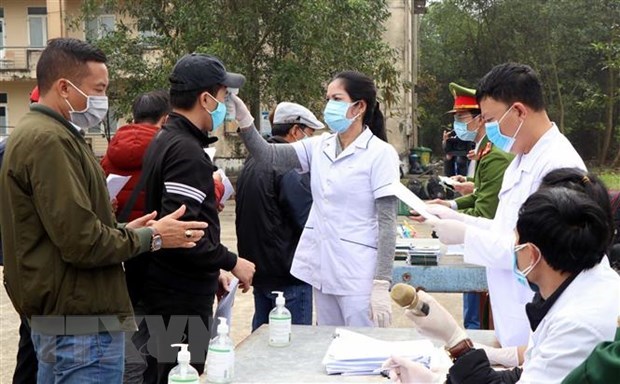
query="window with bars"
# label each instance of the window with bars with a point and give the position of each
(37, 27)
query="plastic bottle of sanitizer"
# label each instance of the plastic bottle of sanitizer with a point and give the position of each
(183, 372)
(279, 323)
(221, 356)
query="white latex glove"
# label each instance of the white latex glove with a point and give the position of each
(243, 115)
(508, 357)
(450, 231)
(444, 212)
(438, 324)
(405, 371)
(381, 303)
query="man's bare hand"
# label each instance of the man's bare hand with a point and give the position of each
(217, 176)
(464, 188)
(244, 271)
(142, 221)
(471, 155)
(223, 286)
(178, 234)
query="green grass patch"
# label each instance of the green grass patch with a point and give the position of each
(611, 177)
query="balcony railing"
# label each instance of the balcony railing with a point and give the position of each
(19, 58)
(5, 130)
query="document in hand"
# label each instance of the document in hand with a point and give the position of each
(406, 196)
(224, 306)
(351, 353)
(447, 181)
(116, 183)
(228, 187)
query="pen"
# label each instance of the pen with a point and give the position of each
(385, 372)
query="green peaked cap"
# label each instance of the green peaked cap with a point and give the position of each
(464, 98)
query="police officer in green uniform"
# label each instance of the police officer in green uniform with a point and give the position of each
(490, 164)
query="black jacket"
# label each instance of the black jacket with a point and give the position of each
(177, 172)
(272, 207)
(474, 368)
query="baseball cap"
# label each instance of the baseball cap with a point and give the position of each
(293, 113)
(199, 71)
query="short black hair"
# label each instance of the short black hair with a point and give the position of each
(570, 228)
(282, 129)
(511, 83)
(150, 107)
(361, 87)
(585, 182)
(65, 58)
(186, 100)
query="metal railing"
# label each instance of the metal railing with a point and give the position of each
(19, 58)
(5, 130)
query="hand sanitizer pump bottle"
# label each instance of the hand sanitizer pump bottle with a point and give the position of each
(279, 323)
(221, 356)
(183, 372)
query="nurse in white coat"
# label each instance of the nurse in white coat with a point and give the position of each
(511, 101)
(346, 250)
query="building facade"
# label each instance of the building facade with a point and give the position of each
(26, 25)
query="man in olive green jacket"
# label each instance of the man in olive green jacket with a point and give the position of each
(62, 246)
(490, 164)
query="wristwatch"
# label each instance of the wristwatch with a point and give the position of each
(156, 241)
(460, 349)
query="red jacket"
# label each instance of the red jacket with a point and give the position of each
(124, 157)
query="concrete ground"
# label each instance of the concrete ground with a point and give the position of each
(242, 312)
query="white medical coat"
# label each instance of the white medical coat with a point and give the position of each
(493, 246)
(337, 251)
(584, 315)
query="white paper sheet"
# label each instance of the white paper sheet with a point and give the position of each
(447, 180)
(224, 306)
(211, 152)
(455, 249)
(351, 353)
(228, 187)
(406, 196)
(116, 183)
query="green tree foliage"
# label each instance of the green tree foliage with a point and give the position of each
(287, 49)
(573, 44)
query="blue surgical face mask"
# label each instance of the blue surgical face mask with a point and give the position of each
(217, 115)
(463, 133)
(335, 115)
(521, 276)
(500, 140)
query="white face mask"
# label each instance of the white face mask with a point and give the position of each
(93, 114)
